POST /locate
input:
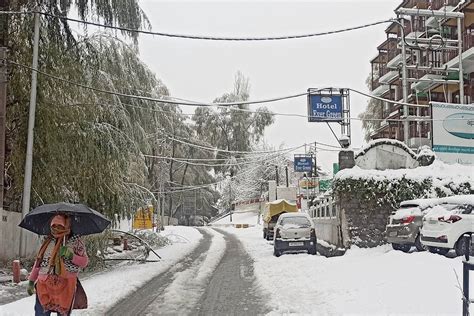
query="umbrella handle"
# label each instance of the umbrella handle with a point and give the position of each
(64, 240)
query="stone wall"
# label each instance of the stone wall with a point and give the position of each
(364, 221)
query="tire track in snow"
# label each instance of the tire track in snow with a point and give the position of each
(182, 295)
(137, 302)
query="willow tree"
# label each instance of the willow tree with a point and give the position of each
(232, 128)
(372, 116)
(88, 145)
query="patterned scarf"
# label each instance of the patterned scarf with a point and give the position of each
(56, 263)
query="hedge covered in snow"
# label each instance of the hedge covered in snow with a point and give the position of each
(393, 186)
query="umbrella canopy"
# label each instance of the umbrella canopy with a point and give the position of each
(84, 220)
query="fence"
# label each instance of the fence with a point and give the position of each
(10, 237)
(325, 215)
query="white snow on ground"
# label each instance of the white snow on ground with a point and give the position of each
(183, 294)
(377, 281)
(238, 218)
(106, 289)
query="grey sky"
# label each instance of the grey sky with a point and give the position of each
(203, 70)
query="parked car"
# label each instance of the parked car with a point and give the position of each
(271, 214)
(294, 232)
(403, 228)
(446, 224)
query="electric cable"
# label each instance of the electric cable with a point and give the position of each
(229, 164)
(159, 100)
(216, 38)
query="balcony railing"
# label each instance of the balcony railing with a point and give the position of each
(467, 43)
(438, 4)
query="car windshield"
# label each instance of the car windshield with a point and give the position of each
(296, 220)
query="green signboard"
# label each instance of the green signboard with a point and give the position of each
(325, 185)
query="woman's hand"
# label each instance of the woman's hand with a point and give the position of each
(66, 252)
(31, 288)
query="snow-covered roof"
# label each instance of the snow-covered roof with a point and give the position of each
(386, 141)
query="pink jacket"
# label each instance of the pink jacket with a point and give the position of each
(78, 261)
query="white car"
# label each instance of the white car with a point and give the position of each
(294, 232)
(446, 224)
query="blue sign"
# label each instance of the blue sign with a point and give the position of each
(303, 163)
(324, 108)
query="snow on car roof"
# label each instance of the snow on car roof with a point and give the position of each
(459, 199)
(421, 203)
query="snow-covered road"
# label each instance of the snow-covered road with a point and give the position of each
(377, 281)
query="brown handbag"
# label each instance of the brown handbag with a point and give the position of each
(80, 298)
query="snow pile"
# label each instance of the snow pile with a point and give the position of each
(376, 281)
(249, 218)
(106, 289)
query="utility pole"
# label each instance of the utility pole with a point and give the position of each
(461, 72)
(286, 174)
(4, 6)
(3, 110)
(31, 127)
(230, 200)
(276, 175)
(406, 110)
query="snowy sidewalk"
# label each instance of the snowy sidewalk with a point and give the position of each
(377, 281)
(104, 290)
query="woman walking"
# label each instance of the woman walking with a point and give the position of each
(55, 271)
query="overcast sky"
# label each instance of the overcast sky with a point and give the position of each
(203, 70)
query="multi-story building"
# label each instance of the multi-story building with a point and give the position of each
(432, 61)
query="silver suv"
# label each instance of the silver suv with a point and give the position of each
(403, 229)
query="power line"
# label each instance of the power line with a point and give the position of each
(191, 163)
(160, 100)
(198, 187)
(232, 151)
(218, 38)
(387, 100)
(228, 105)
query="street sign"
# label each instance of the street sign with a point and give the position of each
(325, 108)
(143, 218)
(325, 185)
(303, 163)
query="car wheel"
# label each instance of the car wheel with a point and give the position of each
(405, 247)
(441, 251)
(461, 245)
(312, 250)
(276, 252)
(419, 246)
(264, 235)
(395, 246)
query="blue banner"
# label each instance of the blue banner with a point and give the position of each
(303, 163)
(324, 108)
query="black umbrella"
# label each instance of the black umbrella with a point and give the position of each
(84, 220)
